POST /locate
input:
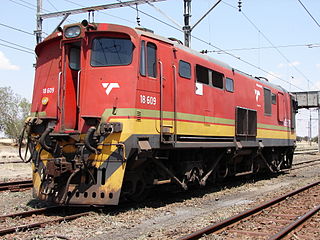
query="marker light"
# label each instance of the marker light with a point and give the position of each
(72, 32)
(44, 101)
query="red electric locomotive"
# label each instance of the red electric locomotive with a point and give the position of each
(116, 111)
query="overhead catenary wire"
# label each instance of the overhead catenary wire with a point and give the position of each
(247, 62)
(268, 40)
(149, 15)
(111, 15)
(309, 13)
(230, 54)
(309, 45)
(16, 29)
(52, 5)
(34, 8)
(21, 4)
(25, 48)
(18, 49)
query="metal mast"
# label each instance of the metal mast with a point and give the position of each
(38, 32)
(187, 15)
(187, 27)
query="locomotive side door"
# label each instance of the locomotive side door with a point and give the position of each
(168, 79)
(155, 85)
(70, 85)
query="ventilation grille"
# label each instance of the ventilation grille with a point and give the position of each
(246, 122)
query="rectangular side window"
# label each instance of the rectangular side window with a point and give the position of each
(202, 74)
(273, 98)
(143, 59)
(152, 60)
(229, 85)
(280, 107)
(267, 101)
(184, 69)
(217, 79)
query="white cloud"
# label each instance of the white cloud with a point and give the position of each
(295, 63)
(318, 65)
(5, 63)
(317, 84)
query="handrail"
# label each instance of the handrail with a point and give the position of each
(78, 88)
(161, 100)
(174, 103)
(59, 85)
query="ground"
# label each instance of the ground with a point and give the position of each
(163, 216)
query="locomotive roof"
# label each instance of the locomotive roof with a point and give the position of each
(208, 58)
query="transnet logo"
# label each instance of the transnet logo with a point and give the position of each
(110, 86)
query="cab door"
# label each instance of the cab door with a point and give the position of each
(168, 101)
(155, 86)
(70, 86)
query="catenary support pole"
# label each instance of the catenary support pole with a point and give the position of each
(38, 32)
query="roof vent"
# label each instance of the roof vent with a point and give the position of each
(175, 40)
(144, 29)
(262, 78)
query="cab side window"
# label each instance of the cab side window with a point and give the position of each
(148, 59)
(184, 69)
(209, 77)
(267, 101)
(143, 59)
(229, 85)
(152, 60)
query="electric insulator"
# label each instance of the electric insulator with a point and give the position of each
(239, 5)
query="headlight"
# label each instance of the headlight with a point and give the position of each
(72, 32)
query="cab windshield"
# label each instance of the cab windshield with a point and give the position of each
(108, 51)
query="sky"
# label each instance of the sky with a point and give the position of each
(269, 38)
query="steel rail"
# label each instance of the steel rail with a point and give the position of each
(285, 231)
(229, 221)
(24, 227)
(40, 224)
(305, 152)
(11, 162)
(15, 185)
(305, 162)
(29, 213)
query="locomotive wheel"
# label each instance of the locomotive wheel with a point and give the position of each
(135, 187)
(222, 171)
(287, 163)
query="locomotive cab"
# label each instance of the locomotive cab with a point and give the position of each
(81, 71)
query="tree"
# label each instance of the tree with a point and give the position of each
(13, 112)
(315, 139)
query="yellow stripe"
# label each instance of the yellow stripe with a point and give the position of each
(151, 126)
(114, 182)
(263, 133)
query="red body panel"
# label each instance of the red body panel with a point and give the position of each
(47, 79)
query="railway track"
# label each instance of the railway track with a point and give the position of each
(20, 185)
(272, 220)
(15, 186)
(304, 164)
(11, 162)
(311, 151)
(23, 221)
